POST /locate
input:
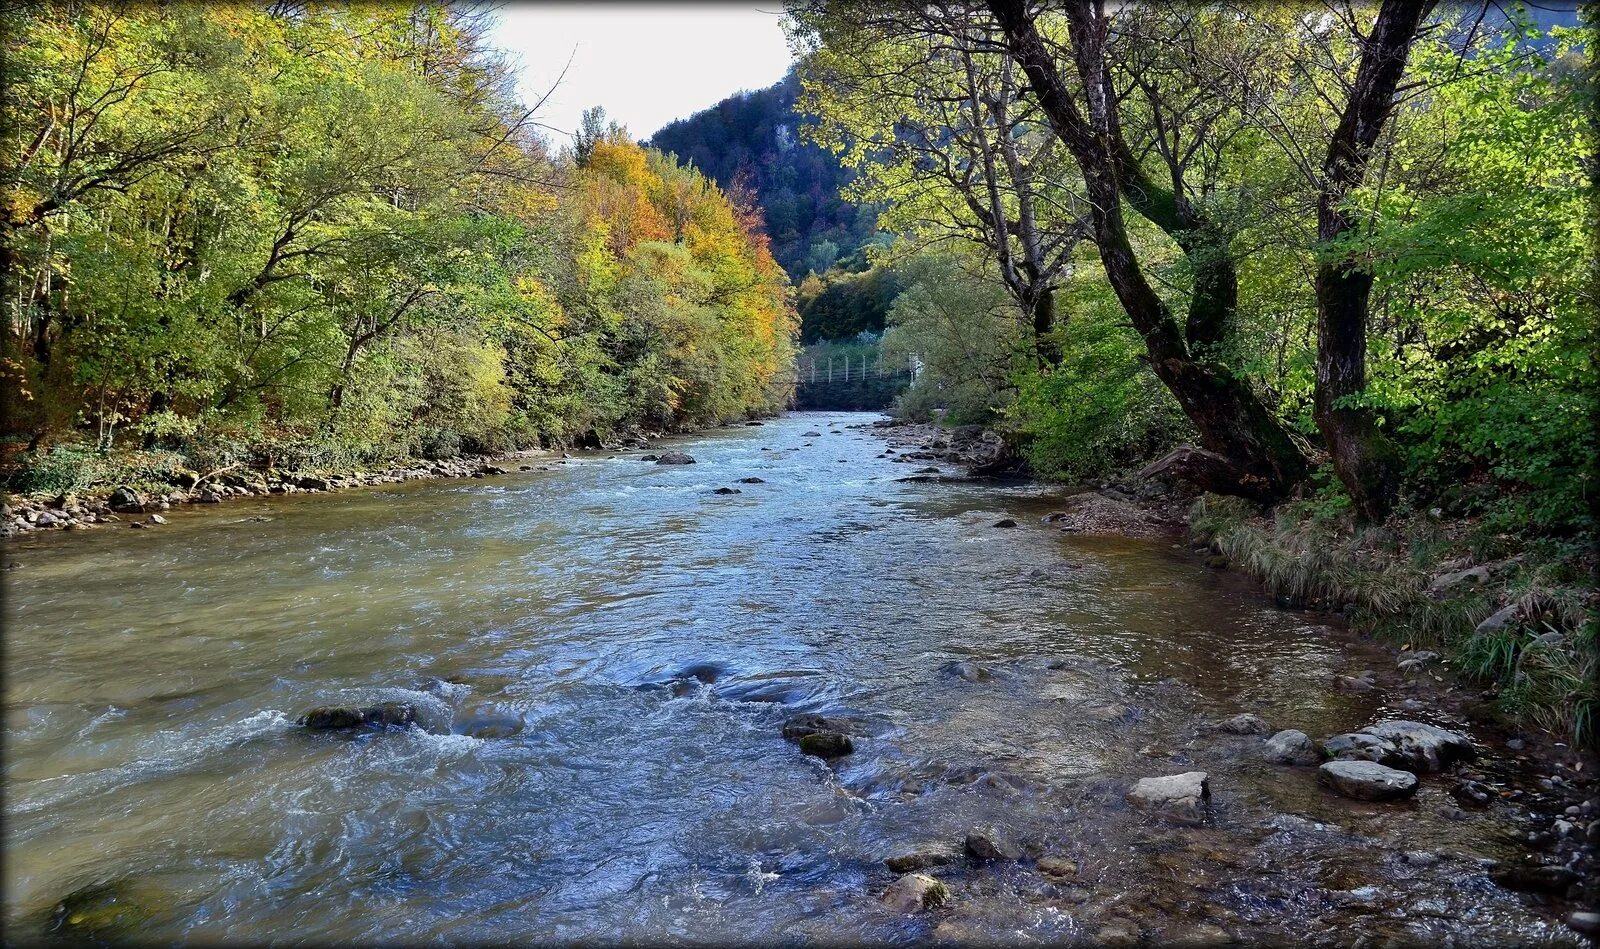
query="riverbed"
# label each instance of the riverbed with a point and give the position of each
(603, 654)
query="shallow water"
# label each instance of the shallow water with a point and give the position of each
(152, 679)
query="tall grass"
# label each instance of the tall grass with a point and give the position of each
(1543, 663)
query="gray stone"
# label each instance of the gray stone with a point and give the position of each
(1471, 577)
(1291, 747)
(125, 500)
(1502, 618)
(1424, 747)
(1367, 780)
(1361, 747)
(1178, 797)
(675, 458)
(988, 845)
(1245, 725)
(914, 893)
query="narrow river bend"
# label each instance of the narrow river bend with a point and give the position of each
(152, 679)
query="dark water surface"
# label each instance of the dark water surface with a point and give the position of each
(152, 678)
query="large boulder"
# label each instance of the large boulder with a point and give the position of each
(351, 717)
(914, 893)
(1356, 746)
(1291, 747)
(125, 500)
(675, 458)
(1367, 780)
(1424, 748)
(1178, 797)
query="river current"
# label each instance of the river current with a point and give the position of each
(559, 792)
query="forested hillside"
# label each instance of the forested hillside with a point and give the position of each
(754, 140)
(322, 235)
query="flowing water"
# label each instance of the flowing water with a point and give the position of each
(152, 680)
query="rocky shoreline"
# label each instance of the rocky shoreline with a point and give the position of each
(141, 506)
(1551, 790)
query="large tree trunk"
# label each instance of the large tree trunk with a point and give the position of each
(1363, 458)
(1249, 451)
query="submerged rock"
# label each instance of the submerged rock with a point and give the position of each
(725, 490)
(927, 855)
(827, 744)
(1532, 878)
(1245, 725)
(1005, 522)
(970, 671)
(1473, 793)
(1291, 747)
(1367, 780)
(101, 912)
(1177, 797)
(675, 458)
(914, 893)
(1424, 747)
(340, 717)
(987, 845)
(1057, 867)
(751, 480)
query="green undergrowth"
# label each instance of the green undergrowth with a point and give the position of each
(1541, 664)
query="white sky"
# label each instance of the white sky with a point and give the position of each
(646, 64)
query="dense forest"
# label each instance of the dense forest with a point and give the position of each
(318, 235)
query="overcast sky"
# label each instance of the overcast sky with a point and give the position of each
(646, 64)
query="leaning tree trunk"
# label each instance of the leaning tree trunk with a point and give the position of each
(1246, 450)
(1363, 458)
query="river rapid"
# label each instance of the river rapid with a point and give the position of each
(558, 792)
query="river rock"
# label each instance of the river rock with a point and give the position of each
(1417, 661)
(1471, 793)
(986, 845)
(751, 480)
(101, 913)
(810, 434)
(1291, 747)
(725, 490)
(1585, 922)
(675, 458)
(914, 893)
(1118, 932)
(827, 744)
(1355, 746)
(1367, 780)
(1533, 878)
(796, 727)
(970, 671)
(1005, 522)
(125, 500)
(1178, 797)
(311, 483)
(923, 857)
(1423, 747)
(1245, 725)
(1057, 867)
(343, 717)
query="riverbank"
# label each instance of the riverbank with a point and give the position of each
(138, 501)
(1505, 640)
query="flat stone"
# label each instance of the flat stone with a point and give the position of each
(1291, 747)
(674, 458)
(914, 893)
(1367, 780)
(337, 718)
(1178, 797)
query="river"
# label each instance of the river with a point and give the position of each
(152, 680)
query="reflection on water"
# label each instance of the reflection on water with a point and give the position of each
(152, 679)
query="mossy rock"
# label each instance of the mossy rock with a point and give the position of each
(98, 913)
(827, 744)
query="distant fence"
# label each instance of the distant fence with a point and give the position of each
(852, 384)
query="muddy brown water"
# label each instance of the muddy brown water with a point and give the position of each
(152, 679)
